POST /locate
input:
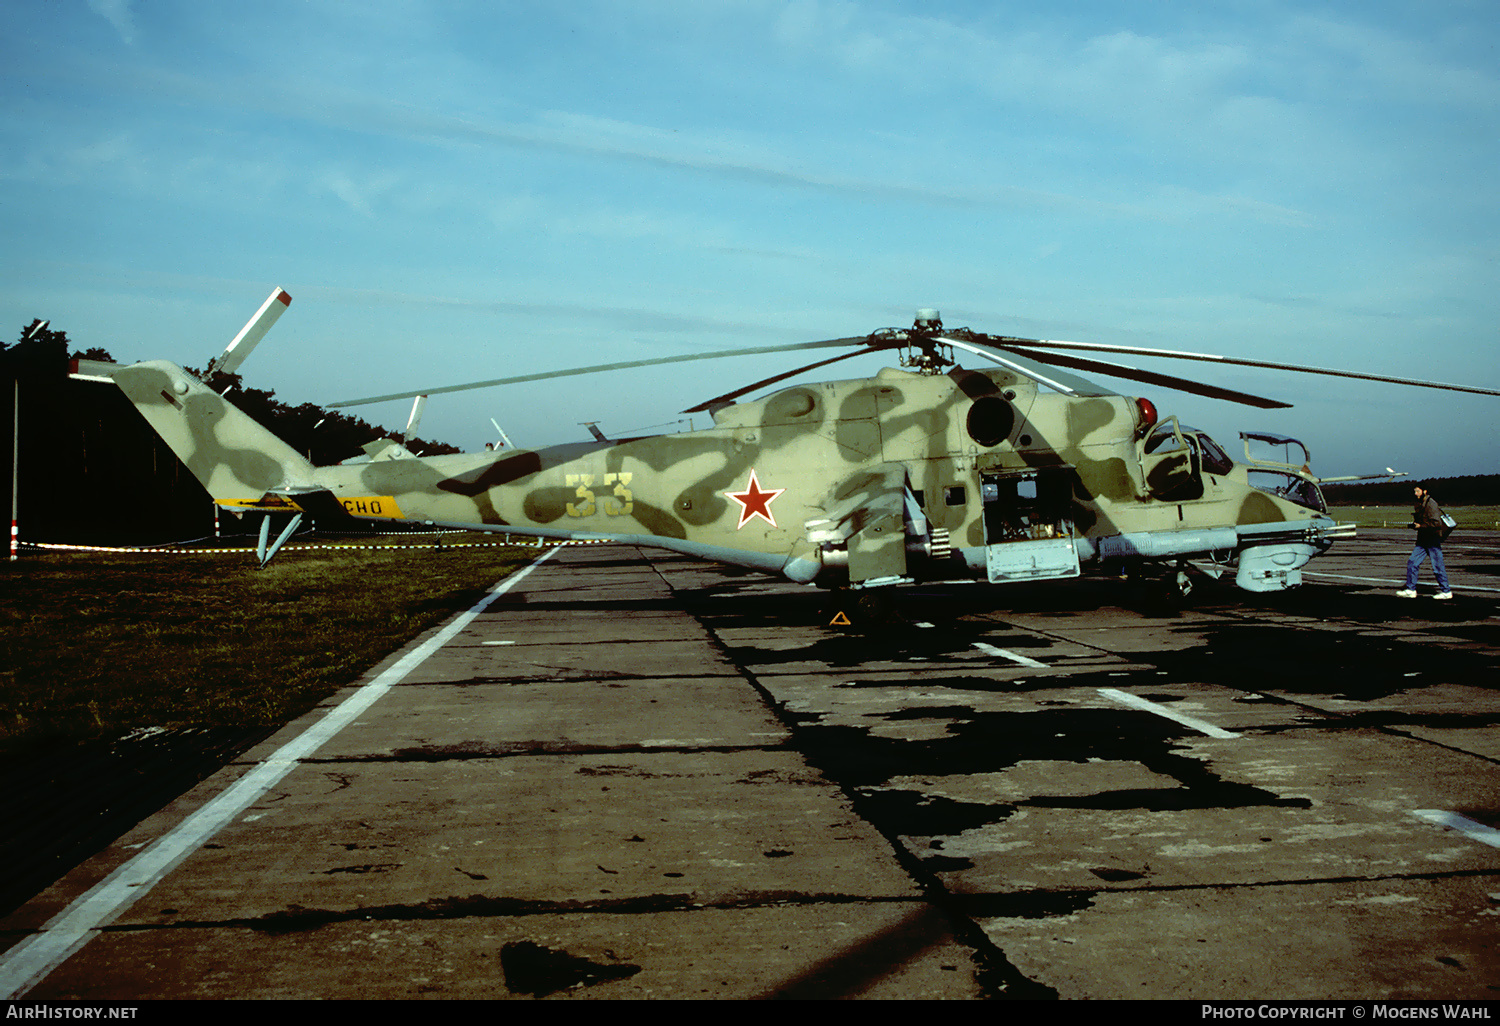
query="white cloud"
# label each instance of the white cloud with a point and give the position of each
(360, 196)
(119, 15)
(1396, 66)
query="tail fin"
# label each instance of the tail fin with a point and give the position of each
(232, 455)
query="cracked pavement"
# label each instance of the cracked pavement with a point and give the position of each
(637, 775)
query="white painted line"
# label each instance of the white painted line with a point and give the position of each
(1136, 702)
(497, 642)
(28, 963)
(1004, 653)
(1463, 824)
(1388, 582)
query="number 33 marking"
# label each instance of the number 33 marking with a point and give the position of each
(589, 506)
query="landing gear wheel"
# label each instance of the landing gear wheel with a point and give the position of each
(861, 610)
(1158, 588)
(1175, 588)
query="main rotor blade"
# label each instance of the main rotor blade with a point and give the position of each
(1120, 370)
(597, 368)
(731, 396)
(1027, 343)
(1041, 379)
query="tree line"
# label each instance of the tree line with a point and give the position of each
(1473, 490)
(92, 472)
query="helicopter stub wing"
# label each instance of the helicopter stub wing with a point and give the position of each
(870, 520)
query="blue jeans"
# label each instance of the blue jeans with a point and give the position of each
(1419, 555)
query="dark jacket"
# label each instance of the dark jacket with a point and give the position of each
(1427, 517)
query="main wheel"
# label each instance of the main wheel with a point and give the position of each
(862, 609)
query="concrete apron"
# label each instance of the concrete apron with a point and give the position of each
(575, 796)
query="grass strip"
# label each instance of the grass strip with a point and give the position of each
(95, 645)
(1470, 518)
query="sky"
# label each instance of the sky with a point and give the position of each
(454, 191)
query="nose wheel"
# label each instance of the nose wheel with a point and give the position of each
(861, 610)
(1162, 586)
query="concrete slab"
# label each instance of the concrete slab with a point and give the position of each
(583, 626)
(668, 828)
(611, 805)
(1381, 940)
(898, 951)
(680, 783)
(572, 659)
(436, 721)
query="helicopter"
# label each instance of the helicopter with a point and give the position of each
(1021, 471)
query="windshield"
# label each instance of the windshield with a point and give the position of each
(1211, 457)
(1292, 487)
(1215, 461)
(1265, 447)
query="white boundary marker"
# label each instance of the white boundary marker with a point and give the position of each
(1469, 828)
(1005, 653)
(1387, 582)
(306, 547)
(1136, 702)
(29, 962)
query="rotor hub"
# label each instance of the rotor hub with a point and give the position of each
(926, 356)
(923, 349)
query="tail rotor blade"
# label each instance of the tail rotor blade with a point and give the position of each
(250, 335)
(416, 418)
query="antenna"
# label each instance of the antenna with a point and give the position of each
(503, 439)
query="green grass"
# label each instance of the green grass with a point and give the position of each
(93, 645)
(1470, 518)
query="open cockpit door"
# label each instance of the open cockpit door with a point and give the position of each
(1289, 477)
(1028, 529)
(1169, 462)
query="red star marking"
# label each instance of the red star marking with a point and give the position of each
(755, 502)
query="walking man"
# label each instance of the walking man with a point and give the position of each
(1427, 518)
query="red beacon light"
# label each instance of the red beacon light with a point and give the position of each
(1147, 413)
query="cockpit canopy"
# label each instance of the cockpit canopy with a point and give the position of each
(1286, 442)
(1288, 477)
(1208, 455)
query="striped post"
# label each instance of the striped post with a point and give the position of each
(15, 468)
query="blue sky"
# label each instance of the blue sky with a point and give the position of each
(464, 190)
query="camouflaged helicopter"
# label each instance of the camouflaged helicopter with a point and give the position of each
(930, 473)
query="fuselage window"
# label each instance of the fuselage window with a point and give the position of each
(1215, 461)
(1164, 438)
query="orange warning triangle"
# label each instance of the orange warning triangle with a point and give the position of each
(840, 620)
